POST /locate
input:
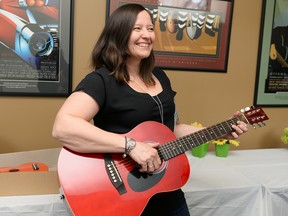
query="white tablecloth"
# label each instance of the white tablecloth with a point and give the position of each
(36, 205)
(246, 183)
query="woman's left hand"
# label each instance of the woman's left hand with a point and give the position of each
(239, 129)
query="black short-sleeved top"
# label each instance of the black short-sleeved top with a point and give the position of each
(122, 108)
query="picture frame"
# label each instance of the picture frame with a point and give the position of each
(271, 83)
(192, 37)
(36, 48)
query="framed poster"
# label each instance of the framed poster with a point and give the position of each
(35, 47)
(190, 35)
(271, 88)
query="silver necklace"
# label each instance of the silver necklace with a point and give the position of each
(157, 101)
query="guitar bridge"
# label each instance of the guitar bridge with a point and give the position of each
(113, 174)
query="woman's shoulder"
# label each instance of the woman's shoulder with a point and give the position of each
(160, 74)
(102, 73)
(99, 76)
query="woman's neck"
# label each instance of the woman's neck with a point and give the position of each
(133, 70)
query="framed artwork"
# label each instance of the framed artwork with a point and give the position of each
(190, 35)
(35, 47)
(271, 87)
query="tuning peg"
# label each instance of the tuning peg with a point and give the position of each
(249, 108)
(245, 109)
(258, 124)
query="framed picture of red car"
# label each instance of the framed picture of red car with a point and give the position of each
(271, 86)
(35, 47)
(191, 35)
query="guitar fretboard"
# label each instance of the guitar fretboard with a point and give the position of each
(176, 147)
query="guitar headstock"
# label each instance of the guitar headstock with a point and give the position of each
(255, 116)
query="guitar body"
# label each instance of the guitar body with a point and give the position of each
(107, 184)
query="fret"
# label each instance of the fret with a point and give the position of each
(202, 136)
(209, 133)
(216, 131)
(185, 143)
(168, 151)
(175, 149)
(226, 126)
(234, 120)
(185, 147)
(188, 141)
(161, 153)
(182, 144)
(179, 146)
(198, 139)
(220, 130)
(223, 128)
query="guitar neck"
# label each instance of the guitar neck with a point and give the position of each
(179, 146)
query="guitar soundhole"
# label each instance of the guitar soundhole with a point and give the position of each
(139, 181)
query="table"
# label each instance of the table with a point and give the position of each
(36, 205)
(247, 182)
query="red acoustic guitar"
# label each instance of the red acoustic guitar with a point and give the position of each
(107, 184)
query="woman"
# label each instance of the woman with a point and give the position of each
(124, 90)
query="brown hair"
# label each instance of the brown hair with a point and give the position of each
(111, 49)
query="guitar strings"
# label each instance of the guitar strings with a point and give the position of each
(182, 144)
(186, 142)
(171, 149)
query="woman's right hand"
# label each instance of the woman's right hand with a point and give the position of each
(146, 155)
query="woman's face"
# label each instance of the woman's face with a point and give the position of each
(141, 40)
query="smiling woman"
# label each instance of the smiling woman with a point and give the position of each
(131, 103)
